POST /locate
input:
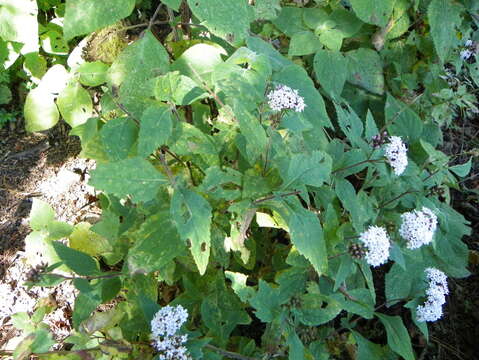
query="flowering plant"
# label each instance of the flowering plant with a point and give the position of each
(256, 193)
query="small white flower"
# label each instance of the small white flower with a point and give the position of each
(418, 227)
(468, 43)
(396, 153)
(436, 296)
(377, 242)
(283, 98)
(466, 54)
(164, 325)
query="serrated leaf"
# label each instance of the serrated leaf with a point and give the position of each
(75, 104)
(118, 136)
(307, 169)
(365, 69)
(133, 72)
(85, 16)
(217, 181)
(348, 197)
(192, 216)
(40, 111)
(444, 16)
(79, 262)
(133, 176)
(155, 129)
(331, 70)
(252, 133)
(93, 73)
(398, 336)
(157, 244)
(376, 12)
(229, 19)
(178, 89)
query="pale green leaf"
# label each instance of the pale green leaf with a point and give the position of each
(376, 12)
(303, 43)
(133, 176)
(40, 110)
(192, 216)
(93, 73)
(178, 89)
(444, 16)
(85, 16)
(79, 262)
(18, 22)
(118, 136)
(155, 129)
(226, 19)
(463, 169)
(75, 104)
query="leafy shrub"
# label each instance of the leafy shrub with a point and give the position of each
(259, 167)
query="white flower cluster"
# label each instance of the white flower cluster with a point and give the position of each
(436, 296)
(468, 51)
(418, 227)
(396, 153)
(164, 325)
(283, 97)
(377, 242)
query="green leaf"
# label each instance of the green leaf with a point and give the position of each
(260, 46)
(267, 301)
(349, 199)
(53, 42)
(133, 176)
(463, 169)
(368, 350)
(267, 9)
(331, 70)
(133, 72)
(93, 73)
(85, 240)
(155, 130)
(91, 143)
(252, 133)
(217, 181)
(398, 336)
(40, 110)
(192, 216)
(79, 262)
(303, 43)
(238, 284)
(365, 69)
(174, 4)
(402, 120)
(444, 16)
(225, 19)
(376, 12)
(75, 104)
(297, 78)
(35, 65)
(313, 311)
(18, 19)
(118, 136)
(85, 16)
(307, 169)
(199, 61)
(178, 89)
(290, 20)
(157, 244)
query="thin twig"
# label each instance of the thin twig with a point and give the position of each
(357, 164)
(167, 168)
(153, 18)
(396, 198)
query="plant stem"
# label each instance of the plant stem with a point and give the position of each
(106, 276)
(153, 18)
(395, 198)
(229, 354)
(167, 168)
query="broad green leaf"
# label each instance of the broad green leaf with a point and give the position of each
(93, 73)
(331, 70)
(79, 262)
(444, 17)
(314, 312)
(222, 184)
(352, 126)
(40, 110)
(18, 19)
(463, 169)
(75, 104)
(198, 62)
(43, 341)
(307, 169)
(155, 129)
(192, 217)
(290, 20)
(296, 347)
(402, 120)
(133, 176)
(349, 199)
(89, 134)
(297, 78)
(85, 16)
(85, 240)
(398, 336)
(376, 12)
(118, 136)
(365, 69)
(303, 43)
(85, 304)
(267, 9)
(267, 301)
(133, 72)
(52, 42)
(260, 46)
(35, 65)
(238, 284)
(225, 19)
(178, 89)
(252, 133)
(157, 244)
(368, 350)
